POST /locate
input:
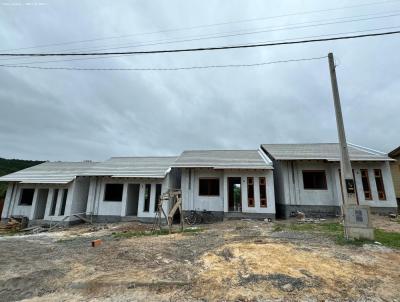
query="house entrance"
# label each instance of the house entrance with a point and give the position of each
(41, 203)
(234, 194)
(132, 201)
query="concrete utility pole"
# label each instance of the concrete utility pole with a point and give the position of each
(357, 223)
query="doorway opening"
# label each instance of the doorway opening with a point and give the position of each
(132, 201)
(41, 203)
(234, 194)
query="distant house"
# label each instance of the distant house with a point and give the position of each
(307, 178)
(277, 179)
(229, 183)
(395, 168)
(50, 191)
(125, 188)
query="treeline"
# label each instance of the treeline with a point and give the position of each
(8, 166)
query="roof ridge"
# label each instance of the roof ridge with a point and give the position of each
(169, 156)
(220, 150)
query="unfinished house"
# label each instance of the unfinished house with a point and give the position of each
(234, 183)
(128, 188)
(307, 178)
(49, 192)
(395, 168)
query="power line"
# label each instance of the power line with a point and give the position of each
(308, 24)
(198, 48)
(230, 34)
(119, 56)
(206, 25)
(163, 69)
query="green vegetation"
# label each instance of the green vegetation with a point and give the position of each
(335, 230)
(130, 234)
(8, 166)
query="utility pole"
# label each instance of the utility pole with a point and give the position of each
(357, 222)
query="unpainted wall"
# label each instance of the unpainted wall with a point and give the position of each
(98, 206)
(192, 201)
(290, 188)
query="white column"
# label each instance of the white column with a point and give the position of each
(124, 199)
(152, 198)
(49, 203)
(34, 204)
(91, 195)
(70, 199)
(8, 200)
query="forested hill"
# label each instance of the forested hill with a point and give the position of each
(8, 166)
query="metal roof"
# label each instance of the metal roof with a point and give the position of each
(325, 151)
(143, 167)
(223, 159)
(395, 152)
(49, 173)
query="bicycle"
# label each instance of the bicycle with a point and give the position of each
(196, 218)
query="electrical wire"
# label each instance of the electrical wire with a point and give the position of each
(206, 25)
(271, 41)
(143, 52)
(164, 69)
(292, 26)
(209, 36)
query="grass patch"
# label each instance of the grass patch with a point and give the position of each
(130, 234)
(389, 239)
(328, 227)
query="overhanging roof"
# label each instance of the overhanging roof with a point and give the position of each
(325, 151)
(49, 173)
(395, 152)
(139, 167)
(223, 159)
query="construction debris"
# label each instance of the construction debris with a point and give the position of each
(12, 225)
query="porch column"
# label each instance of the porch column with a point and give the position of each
(34, 204)
(124, 199)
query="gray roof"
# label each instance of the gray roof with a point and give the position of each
(327, 151)
(49, 172)
(395, 152)
(224, 159)
(143, 167)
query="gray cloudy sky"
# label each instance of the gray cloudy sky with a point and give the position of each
(75, 115)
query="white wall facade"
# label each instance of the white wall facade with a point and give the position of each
(290, 187)
(192, 201)
(75, 202)
(99, 207)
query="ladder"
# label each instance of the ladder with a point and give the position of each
(174, 197)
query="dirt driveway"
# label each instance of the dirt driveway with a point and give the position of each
(230, 261)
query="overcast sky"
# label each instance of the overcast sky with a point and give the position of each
(76, 115)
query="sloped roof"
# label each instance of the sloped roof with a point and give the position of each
(49, 172)
(326, 151)
(395, 152)
(223, 159)
(144, 167)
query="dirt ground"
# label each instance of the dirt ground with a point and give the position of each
(241, 260)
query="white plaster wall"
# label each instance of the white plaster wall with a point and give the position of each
(268, 174)
(291, 179)
(24, 210)
(315, 197)
(79, 192)
(190, 190)
(192, 201)
(387, 181)
(12, 206)
(99, 206)
(56, 217)
(11, 191)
